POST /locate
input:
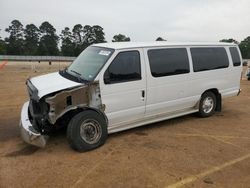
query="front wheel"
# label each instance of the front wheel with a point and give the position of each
(207, 104)
(86, 131)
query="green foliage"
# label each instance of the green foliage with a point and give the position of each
(2, 47)
(44, 40)
(15, 42)
(31, 36)
(78, 38)
(67, 48)
(87, 35)
(97, 35)
(120, 38)
(48, 44)
(230, 41)
(245, 48)
(160, 39)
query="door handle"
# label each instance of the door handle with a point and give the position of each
(143, 94)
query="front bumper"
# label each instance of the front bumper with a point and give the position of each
(28, 133)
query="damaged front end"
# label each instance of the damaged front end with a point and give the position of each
(40, 115)
(28, 133)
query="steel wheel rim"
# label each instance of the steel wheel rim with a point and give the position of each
(90, 131)
(208, 105)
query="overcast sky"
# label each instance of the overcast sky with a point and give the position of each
(141, 20)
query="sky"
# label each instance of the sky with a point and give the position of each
(141, 20)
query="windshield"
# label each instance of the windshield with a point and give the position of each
(88, 64)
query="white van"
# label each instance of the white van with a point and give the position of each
(111, 87)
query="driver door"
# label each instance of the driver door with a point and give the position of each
(123, 86)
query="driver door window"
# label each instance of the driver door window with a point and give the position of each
(124, 68)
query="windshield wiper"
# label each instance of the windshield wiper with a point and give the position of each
(79, 76)
(76, 72)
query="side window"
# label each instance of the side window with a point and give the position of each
(166, 62)
(125, 67)
(209, 58)
(235, 56)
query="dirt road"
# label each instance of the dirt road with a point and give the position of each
(182, 152)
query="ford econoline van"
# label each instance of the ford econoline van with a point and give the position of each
(112, 87)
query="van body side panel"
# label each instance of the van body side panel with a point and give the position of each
(166, 96)
(123, 101)
(226, 80)
(167, 93)
(234, 77)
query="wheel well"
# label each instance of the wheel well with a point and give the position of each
(218, 98)
(64, 120)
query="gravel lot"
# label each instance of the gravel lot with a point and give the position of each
(182, 152)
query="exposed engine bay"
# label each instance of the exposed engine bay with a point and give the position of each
(46, 111)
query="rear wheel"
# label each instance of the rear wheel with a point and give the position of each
(86, 131)
(207, 104)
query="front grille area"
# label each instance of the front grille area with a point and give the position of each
(38, 110)
(34, 107)
(33, 115)
(32, 91)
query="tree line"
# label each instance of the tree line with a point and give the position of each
(43, 40)
(244, 46)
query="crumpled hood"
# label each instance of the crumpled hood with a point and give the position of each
(52, 82)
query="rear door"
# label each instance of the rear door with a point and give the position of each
(123, 84)
(236, 70)
(168, 72)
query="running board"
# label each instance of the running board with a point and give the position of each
(151, 119)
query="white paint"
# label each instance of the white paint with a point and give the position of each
(165, 97)
(130, 45)
(52, 82)
(124, 101)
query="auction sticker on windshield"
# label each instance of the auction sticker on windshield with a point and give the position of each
(104, 52)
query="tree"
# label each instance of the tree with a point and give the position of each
(245, 48)
(87, 35)
(120, 38)
(92, 35)
(2, 47)
(49, 40)
(98, 35)
(77, 38)
(67, 48)
(160, 39)
(15, 41)
(31, 36)
(230, 41)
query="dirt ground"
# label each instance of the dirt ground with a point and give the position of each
(182, 152)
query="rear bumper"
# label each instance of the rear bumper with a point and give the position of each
(28, 133)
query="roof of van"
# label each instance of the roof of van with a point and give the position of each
(126, 45)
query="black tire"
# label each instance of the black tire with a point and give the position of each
(79, 128)
(209, 109)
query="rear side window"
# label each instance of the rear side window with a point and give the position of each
(166, 62)
(125, 67)
(209, 58)
(235, 56)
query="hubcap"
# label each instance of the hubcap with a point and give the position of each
(90, 131)
(207, 105)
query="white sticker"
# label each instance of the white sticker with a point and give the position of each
(104, 52)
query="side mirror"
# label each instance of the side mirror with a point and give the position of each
(106, 77)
